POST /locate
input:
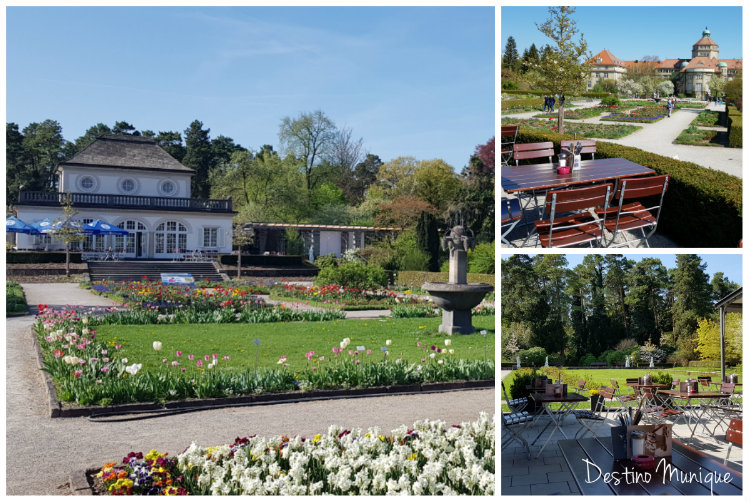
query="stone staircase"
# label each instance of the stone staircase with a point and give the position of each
(135, 270)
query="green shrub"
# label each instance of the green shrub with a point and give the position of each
(15, 300)
(610, 100)
(698, 198)
(543, 93)
(587, 360)
(354, 275)
(415, 279)
(521, 378)
(415, 260)
(613, 357)
(533, 356)
(661, 378)
(525, 102)
(325, 261)
(482, 259)
(735, 131)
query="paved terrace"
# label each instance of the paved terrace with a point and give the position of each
(549, 474)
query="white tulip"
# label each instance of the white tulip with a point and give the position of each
(447, 342)
(157, 346)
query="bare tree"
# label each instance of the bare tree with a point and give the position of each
(346, 153)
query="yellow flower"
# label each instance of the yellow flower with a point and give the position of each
(317, 438)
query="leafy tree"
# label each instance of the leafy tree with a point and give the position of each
(477, 200)
(562, 69)
(16, 163)
(222, 148)
(692, 293)
(90, 135)
(67, 231)
(395, 179)
(529, 59)
(44, 149)
(171, 142)
(309, 138)
(665, 88)
(346, 153)
(647, 283)
(402, 212)
(122, 127)
(717, 85)
(708, 338)
(365, 173)
(428, 239)
(436, 183)
(510, 54)
(198, 156)
(721, 286)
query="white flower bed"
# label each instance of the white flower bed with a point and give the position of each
(431, 458)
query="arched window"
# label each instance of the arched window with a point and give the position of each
(170, 237)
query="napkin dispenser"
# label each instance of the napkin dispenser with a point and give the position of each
(689, 386)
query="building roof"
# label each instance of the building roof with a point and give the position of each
(701, 63)
(671, 63)
(734, 64)
(706, 41)
(126, 151)
(607, 58)
(732, 302)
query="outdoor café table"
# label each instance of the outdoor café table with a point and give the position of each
(567, 404)
(690, 413)
(662, 480)
(532, 177)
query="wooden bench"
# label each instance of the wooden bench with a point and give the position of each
(508, 135)
(598, 364)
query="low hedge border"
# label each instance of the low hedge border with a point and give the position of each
(544, 93)
(251, 260)
(702, 206)
(734, 127)
(415, 279)
(41, 257)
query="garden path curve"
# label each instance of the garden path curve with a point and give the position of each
(658, 137)
(42, 452)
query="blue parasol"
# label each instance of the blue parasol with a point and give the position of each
(13, 224)
(102, 227)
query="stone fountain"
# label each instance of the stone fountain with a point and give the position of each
(457, 297)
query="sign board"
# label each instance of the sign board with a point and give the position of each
(177, 279)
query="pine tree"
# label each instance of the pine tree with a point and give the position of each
(198, 156)
(428, 239)
(510, 55)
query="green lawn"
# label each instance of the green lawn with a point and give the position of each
(293, 340)
(701, 137)
(582, 129)
(598, 377)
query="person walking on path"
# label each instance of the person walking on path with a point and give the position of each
(669, 107)
(546, 102)
(551, 103)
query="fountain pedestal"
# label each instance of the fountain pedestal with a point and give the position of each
(457, 297)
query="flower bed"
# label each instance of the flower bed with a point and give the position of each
(579, 113)
(700, 137)
(707, 118)
(581, 129)
(641, 114)
(89, 369)
(340, 296)
(430, 458)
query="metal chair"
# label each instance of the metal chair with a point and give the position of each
(634, 215)
(570, 223)
(508, 135)
(515, 404)
(511, 216)
(623, 399)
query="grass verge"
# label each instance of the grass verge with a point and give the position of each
(15, 300)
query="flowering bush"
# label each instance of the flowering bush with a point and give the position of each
(430, 458)
(338, 295)
(152, 474)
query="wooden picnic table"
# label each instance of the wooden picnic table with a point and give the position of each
(685, 460)
(544, 176)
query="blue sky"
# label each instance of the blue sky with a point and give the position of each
(729, 264)
(409, 81)
(631, 33)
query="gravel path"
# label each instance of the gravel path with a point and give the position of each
(41, 452)
(658, 137)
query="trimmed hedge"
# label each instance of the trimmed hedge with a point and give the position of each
(41, 257)
(734, 126)
(702, 206)
(526, 102)
(543, 93)
(251, 260)
(415, 279)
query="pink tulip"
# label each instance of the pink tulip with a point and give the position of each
(179, 353)
(206, 358)
(191, 357)
(200, 363)
(226, 358)
(215, 356)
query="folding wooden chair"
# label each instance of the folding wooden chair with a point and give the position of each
(589, 146)
(570, 223)
(538, 150)
(734, 435)
(508, 135)
(511, 215)
(515, 404)
(623, 399)
(581, 386)
(633, 215)
(676, 383)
